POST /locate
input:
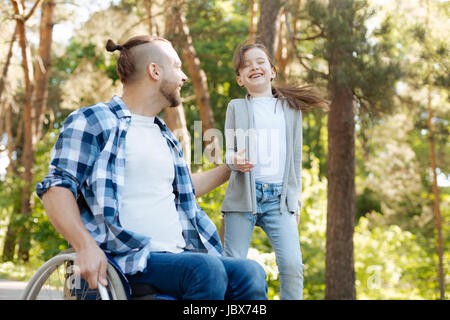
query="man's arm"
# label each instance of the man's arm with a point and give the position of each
(207, 181)
(62, 210)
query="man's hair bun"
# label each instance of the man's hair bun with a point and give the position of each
(111, 46)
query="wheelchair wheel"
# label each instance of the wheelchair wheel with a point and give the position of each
(55, 280)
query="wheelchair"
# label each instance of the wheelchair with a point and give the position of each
(55, 280)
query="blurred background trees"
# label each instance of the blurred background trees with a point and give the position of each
(374, 222)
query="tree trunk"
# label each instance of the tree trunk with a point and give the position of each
(282, 58)
(9, 247)
(151, 25)
(176, 121)
(40, 92)
(2, 125)
(199, 81)
(339, 271)
(10, 244)
(27, 158)
(269, 23)
(197, 74)
(7, 62)
(253, 20)
(295, 15)
(33, 107)
(174, 117)
(8, 130)
(13, 142)
(437, 211)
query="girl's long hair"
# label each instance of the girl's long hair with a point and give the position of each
(298, 97)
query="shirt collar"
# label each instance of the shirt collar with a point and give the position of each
(119, 107)
(160, 122)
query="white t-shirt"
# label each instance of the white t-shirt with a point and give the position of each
(270, 130)
(148, 205)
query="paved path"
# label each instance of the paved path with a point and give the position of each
(11, 290)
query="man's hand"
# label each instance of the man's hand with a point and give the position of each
(91, 264)
(240, 162)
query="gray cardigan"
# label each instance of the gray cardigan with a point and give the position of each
(241, 192)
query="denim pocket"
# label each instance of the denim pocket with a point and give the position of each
(268, 193)
(272, 197)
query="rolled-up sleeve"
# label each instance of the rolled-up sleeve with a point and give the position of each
(73, 155)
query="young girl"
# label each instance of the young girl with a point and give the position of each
(264, 151)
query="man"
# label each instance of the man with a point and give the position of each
(117, 183)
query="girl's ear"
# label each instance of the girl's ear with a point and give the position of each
(239, 81)
(274, 73)
(153, 71)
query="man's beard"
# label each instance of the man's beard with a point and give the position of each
(170, 93)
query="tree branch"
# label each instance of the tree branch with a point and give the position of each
(294, 45)
(141, 20)
(32, 10)
(320, 35)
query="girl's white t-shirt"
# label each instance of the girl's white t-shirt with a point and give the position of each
(270, 132)
(147, 205)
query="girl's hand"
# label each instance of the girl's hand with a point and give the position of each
(240, 162)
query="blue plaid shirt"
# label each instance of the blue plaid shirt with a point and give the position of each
(89, 160)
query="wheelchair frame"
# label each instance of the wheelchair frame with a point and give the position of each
(115, 287)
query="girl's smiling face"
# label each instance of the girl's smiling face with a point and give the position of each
(256, 73)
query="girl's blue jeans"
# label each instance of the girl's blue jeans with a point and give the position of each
(282, 231)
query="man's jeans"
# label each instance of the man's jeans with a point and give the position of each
(199, 276)
(282, 232)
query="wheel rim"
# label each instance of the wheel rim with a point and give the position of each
(56, 281)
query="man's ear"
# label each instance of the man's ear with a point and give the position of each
(153, 71)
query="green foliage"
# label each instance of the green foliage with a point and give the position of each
(211, 202)
(391, 263)
(312, 228)
(216, 27)
(367, 202)
(45, 241)
(369, 59)
(315, 140)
